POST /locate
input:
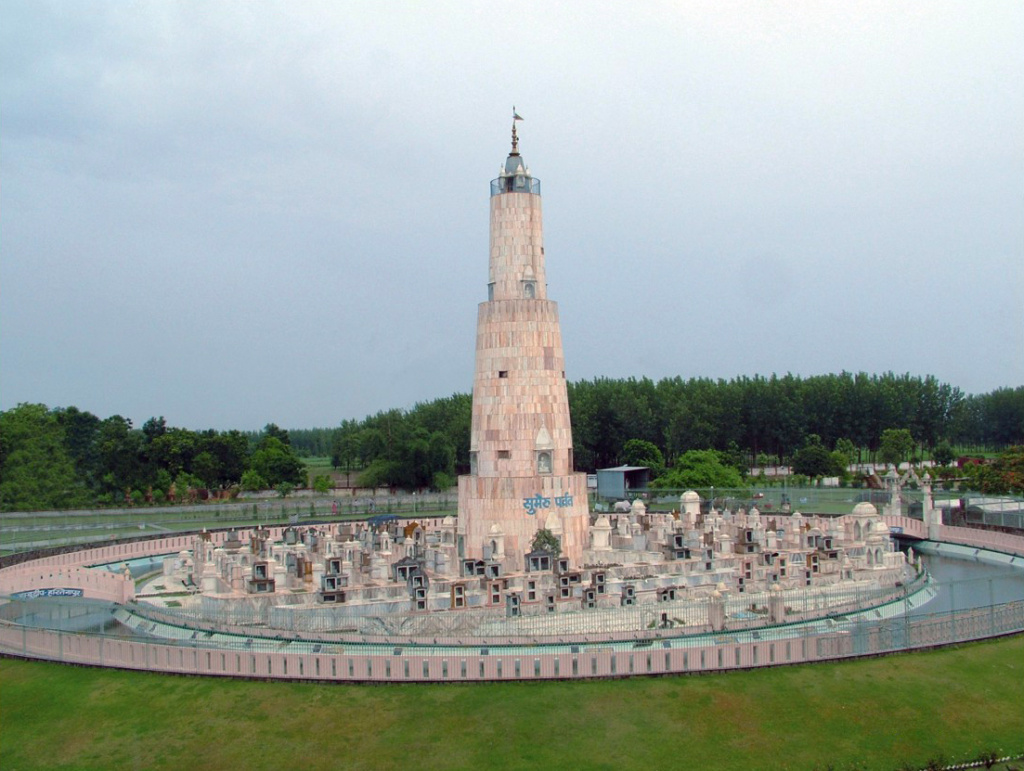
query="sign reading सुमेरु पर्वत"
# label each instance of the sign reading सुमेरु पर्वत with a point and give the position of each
(540, 502)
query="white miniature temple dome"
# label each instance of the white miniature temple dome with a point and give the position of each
(638, 507)
(689, 496)
(448, 521)
(865, 509)
(496, 529)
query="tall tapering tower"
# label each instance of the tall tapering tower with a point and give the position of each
(521, 470)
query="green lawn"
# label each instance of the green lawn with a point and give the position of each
(20, 531)
(888, 713)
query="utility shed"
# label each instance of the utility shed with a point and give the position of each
(619, 481)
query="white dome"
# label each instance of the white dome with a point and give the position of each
(865, 509)
(690, 497)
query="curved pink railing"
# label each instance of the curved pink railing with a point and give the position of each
(448, 663)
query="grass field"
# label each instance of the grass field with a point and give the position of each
(25, 530)
(901, 711)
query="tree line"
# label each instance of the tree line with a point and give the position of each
(771, 417)
(761, 420)
(68, 457)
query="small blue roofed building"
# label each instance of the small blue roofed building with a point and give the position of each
(618, 482)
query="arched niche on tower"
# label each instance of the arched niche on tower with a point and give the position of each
(544, 462)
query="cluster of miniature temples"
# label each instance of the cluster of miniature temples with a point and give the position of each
(634, 557)
(522, 481)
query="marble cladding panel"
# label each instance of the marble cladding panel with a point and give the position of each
(516, 248)
(484, 502)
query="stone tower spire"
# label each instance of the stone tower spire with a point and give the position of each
(521, 477)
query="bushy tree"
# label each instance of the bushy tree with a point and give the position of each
(896, 446)
(275, 462)
(442, 482)
(848, 450)
(545, 540)
(640, 452)
(943, 453)
(1009, 470)
(814, 459)
(699, 469)
(36, 471)
(253, 482)
(379, 473)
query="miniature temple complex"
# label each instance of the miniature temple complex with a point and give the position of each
(688, 559)
(340, 575)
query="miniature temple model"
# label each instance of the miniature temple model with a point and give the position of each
(684, 563)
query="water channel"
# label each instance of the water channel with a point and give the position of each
(961, 580)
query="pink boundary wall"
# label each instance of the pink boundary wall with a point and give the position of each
(432, 666)
(963, 536)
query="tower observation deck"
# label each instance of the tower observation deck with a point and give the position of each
(521, 467)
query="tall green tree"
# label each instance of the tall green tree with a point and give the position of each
(81, 432)
(121, 457)
(896, 446)
(36, 471)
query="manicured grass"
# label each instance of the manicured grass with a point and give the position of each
(886, 713)
(100, 526)
(318, 462)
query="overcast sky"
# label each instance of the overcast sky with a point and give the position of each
(238, 213)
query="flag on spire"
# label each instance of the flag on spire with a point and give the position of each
(515, 116)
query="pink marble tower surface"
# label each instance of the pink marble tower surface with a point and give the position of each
(521, 476)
